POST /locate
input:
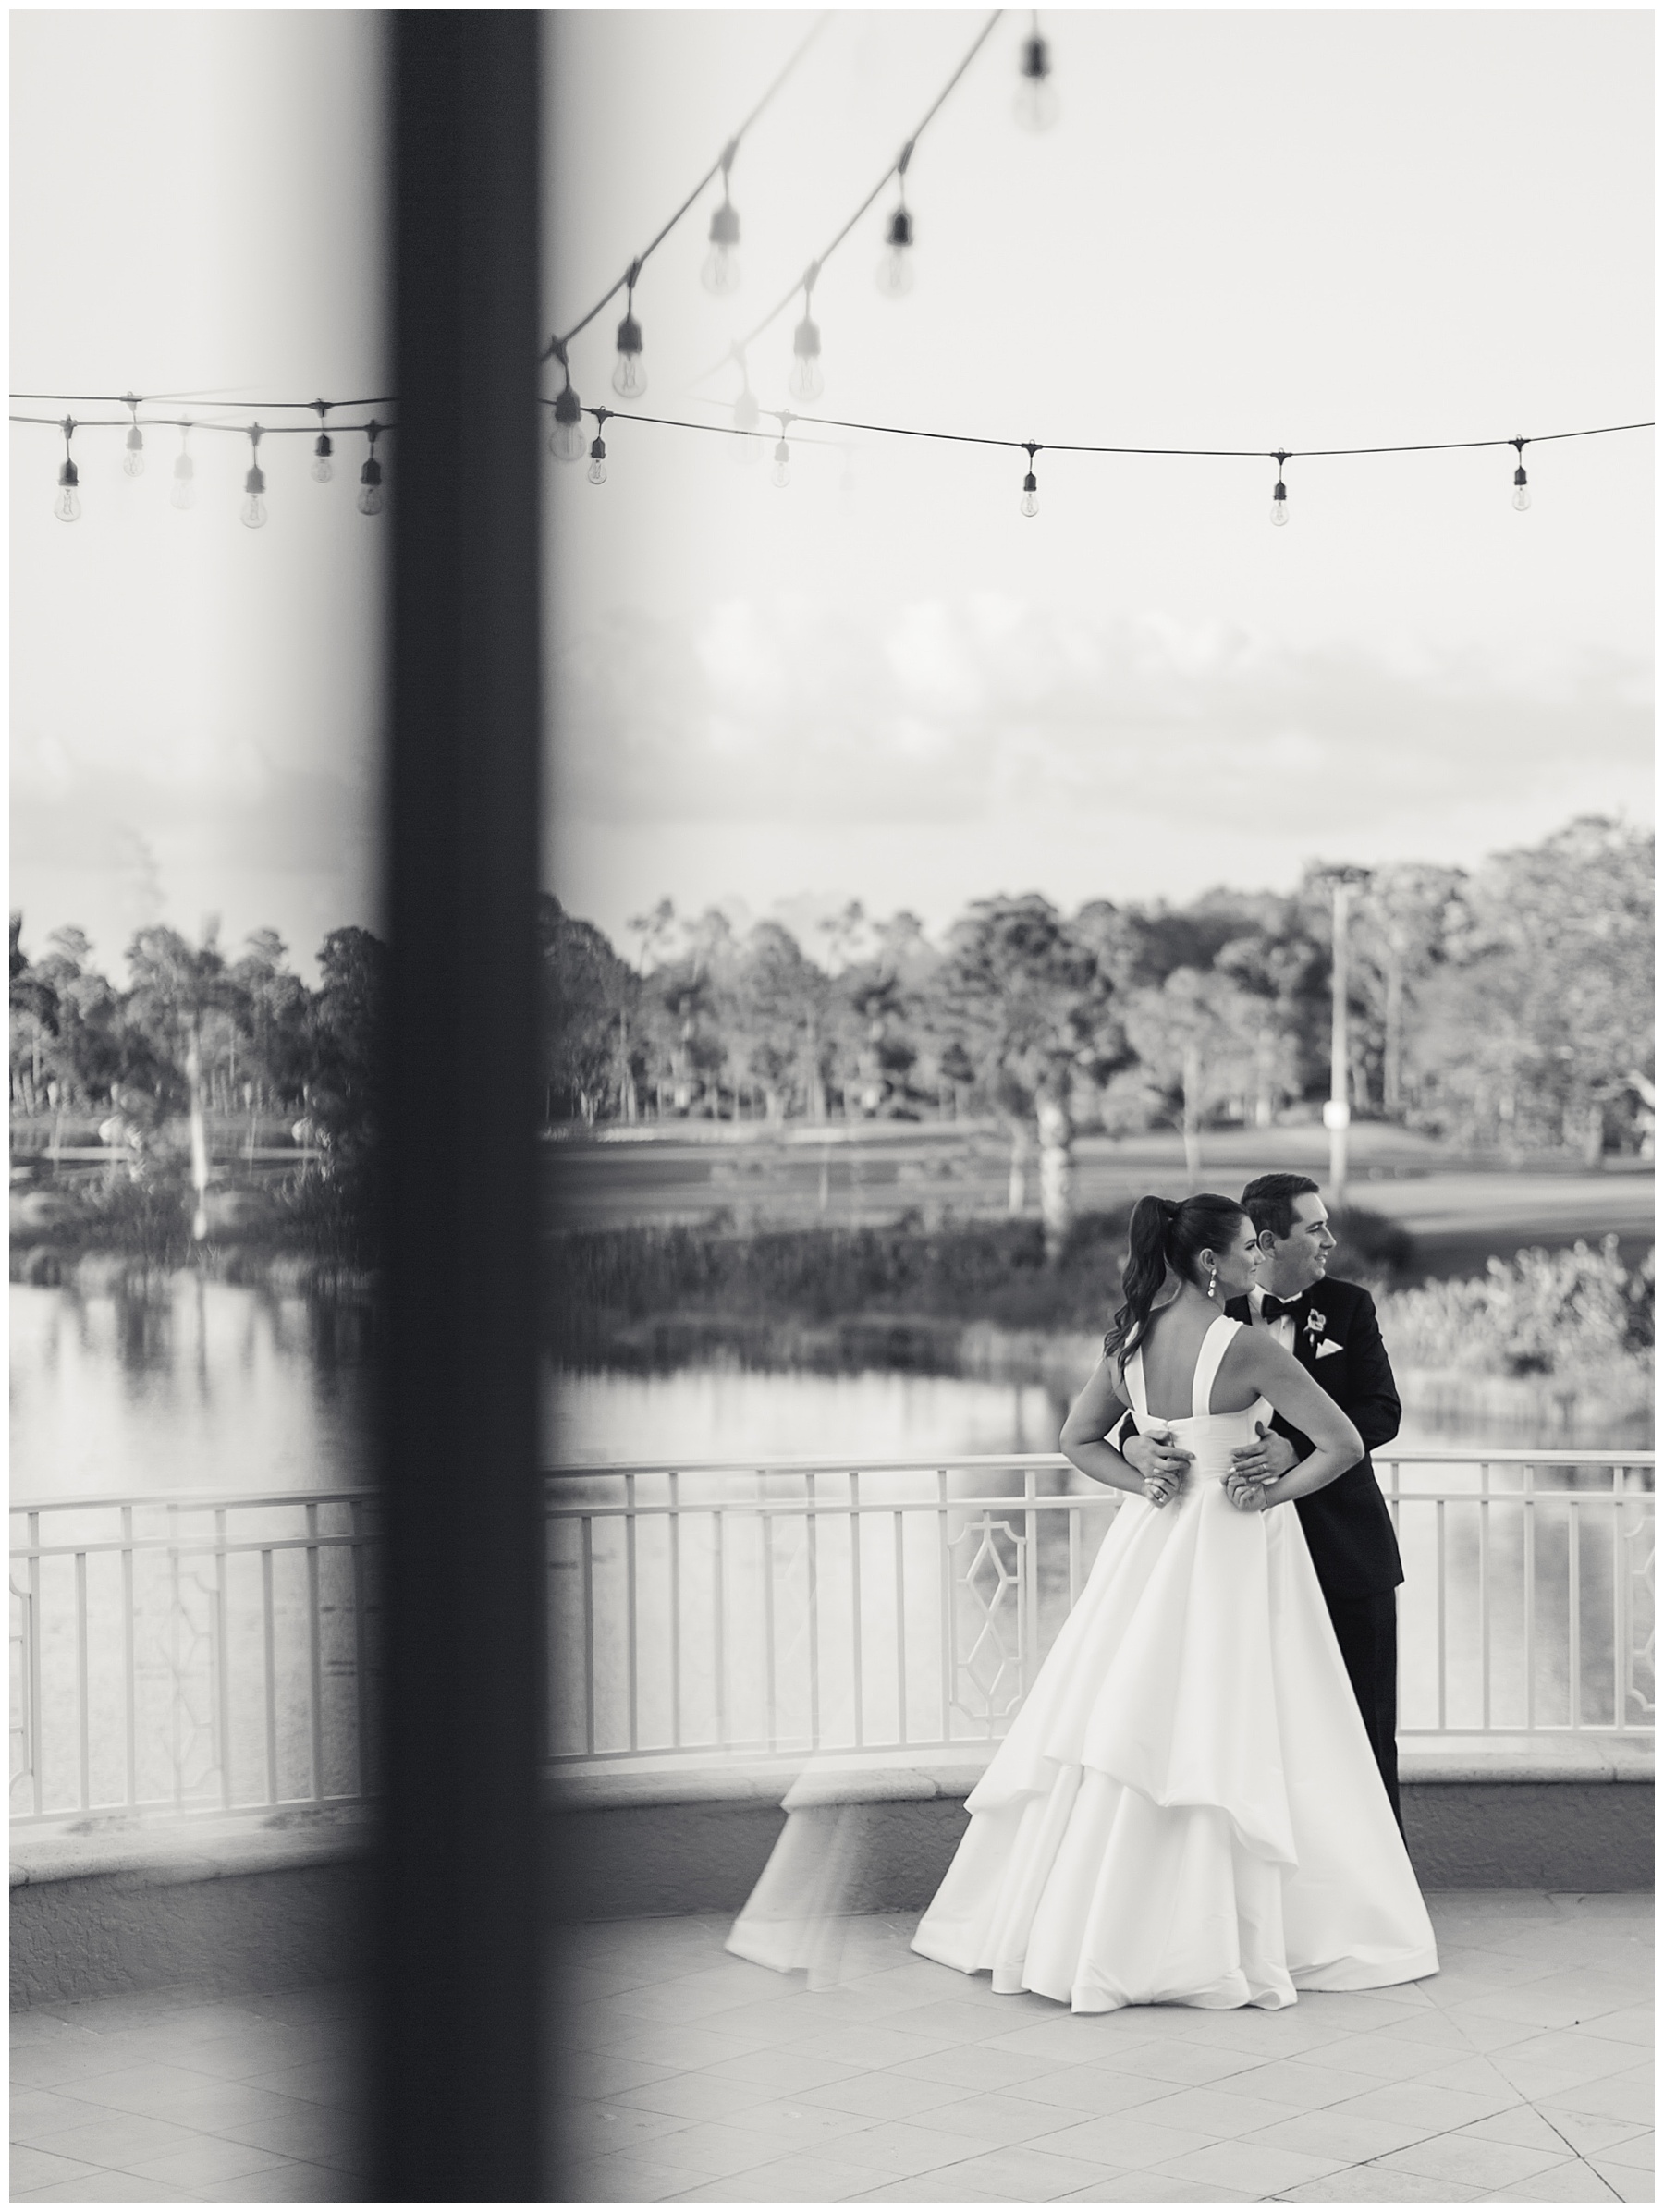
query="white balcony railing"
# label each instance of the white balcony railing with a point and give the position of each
(183, 1652)
(186, 1653)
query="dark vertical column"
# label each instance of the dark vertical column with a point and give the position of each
(459, 2086)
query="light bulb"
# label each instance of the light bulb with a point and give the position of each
(1030, 495)
(183, 495)
(255, 512)
(68, 499)
(567, 441)
(1035, 106)
(1521, 497)
(629, 377)
(720, 273)
(895, 264)
(597, 467)
(370, 494)
(322, 467)
(1279, 504)
(749, 446)
(133, 461)
(780, 475)
(806, 381)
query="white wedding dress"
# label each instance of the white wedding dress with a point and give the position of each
(1186, 1810)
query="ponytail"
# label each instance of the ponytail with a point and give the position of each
(1164, 1236)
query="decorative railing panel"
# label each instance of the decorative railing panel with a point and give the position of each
(186, 1653)
(192, 1654)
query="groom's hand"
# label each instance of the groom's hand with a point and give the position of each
(1263, 1460)
(1157, 1456)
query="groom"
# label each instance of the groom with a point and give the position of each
(1331, 1329)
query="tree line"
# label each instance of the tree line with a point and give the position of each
(245, 1036)
(1509, 1007)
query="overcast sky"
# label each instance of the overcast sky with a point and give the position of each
(196, 207)
(1305, 229)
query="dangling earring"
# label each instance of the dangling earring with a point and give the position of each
(1213, 1277)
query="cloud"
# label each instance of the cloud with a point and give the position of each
(283, 820)
(971, 713)
(112, 849)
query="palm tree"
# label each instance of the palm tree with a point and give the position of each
(175, 984)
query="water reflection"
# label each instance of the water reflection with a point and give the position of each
(721, 1411)
(178, 1384)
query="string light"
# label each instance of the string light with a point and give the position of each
(567, 440)
(323, 468)
(723, 162)
(1036, 103)
(1280, 456)
(780, 475)
(369, 475)
(720, 274)
(133, 460)
(742, 429)
(597, 467)
(806, 381)
(183, 495)
(1031, 490)
(895, 265)
(255, 506)
(68, 499)
(806, 328)
(629, 377)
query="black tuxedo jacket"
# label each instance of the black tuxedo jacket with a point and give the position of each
(1347, 1528)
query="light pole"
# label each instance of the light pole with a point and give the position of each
(1337, 1112)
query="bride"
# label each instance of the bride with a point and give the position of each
(1187, 1810)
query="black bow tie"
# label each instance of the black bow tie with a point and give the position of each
(1273, 1309)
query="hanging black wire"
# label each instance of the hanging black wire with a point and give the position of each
(162, 399)
(962, 437)
(557, 346)
(897, 169)
(235, 430)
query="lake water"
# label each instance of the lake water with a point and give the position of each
(199, 1387)
(202, 1389)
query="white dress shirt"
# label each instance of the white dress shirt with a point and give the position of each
(1282, 1328)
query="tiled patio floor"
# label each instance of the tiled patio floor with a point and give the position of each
(167, 2098)
(1521, 2074)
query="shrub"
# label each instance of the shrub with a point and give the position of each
(971, 1270)
(1370, 1248)
(1560, 1313)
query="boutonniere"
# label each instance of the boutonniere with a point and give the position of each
(1315, 1322)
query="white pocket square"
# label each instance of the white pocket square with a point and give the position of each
(1328, 1346)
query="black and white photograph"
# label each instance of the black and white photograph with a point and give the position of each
(832, 1105)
